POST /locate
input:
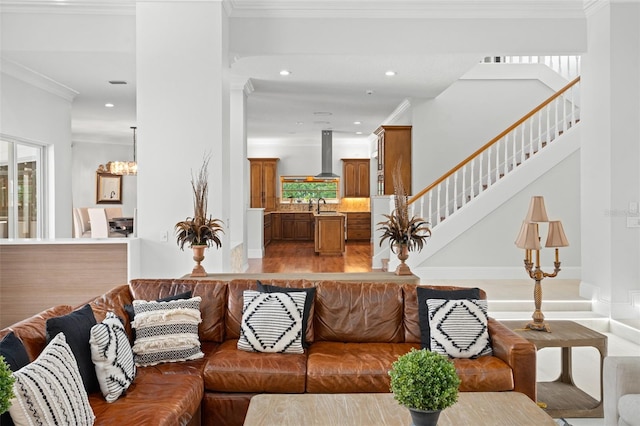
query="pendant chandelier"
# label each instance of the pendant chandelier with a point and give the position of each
(122, 167)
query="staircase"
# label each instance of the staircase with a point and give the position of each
(479, 184)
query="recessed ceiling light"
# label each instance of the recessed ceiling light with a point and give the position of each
(299, 123)
(109, 105)
(390, 73)
(285, 72)
(358, 133)
(357, 122)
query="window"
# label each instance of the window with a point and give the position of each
(20, 190)
(302, 189)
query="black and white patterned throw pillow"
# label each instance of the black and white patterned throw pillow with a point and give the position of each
(272, 322)
(49, 391)
(459, 327)
(166, 331)
(112, 355)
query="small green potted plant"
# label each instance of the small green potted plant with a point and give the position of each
(199, 231)
(6, 385)
(426, 383)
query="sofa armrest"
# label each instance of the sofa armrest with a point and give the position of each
(518, 353)
(621, 376)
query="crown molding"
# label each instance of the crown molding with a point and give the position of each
(433, 9)
(405, 105)
(422, 9)
(70, 7)
(36, 79)
(593, 6)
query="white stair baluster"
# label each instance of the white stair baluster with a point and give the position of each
(446, 198)
(455, 191)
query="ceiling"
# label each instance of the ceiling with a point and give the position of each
(329, 91)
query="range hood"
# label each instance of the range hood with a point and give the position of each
(327, 155)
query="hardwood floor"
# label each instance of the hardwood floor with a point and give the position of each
(299, 256)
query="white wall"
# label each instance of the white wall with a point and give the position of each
(463, 118)
(182, 115)
(38, 110)
(490, 243)
(86, 157)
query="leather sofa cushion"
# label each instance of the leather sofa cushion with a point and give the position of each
(358, 312)
(114, 301)
(32, 331)
(212, 307)
(335, 367)
(484, 374)
(411, 318)
(152, 399)
(232, 370)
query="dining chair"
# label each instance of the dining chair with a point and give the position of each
(113, 212)
(100, 224)
(81, 226)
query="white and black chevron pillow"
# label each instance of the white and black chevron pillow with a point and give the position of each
(112, 356)
(166, 331)
(49, 391)
(459, 327)
(272, 322)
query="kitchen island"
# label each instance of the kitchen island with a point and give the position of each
(329, 233)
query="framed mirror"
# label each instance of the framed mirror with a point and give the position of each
(108, 188)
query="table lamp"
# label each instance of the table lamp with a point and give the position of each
(529, 240)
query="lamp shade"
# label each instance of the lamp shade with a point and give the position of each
(537, 211)
(556, 236)
(528, 238)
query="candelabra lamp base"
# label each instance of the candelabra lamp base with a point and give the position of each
(539, 326)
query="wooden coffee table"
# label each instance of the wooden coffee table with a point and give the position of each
(472, 409)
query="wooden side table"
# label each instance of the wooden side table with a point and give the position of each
(562, 396)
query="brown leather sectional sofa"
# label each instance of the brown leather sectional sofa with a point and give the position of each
(356, 330)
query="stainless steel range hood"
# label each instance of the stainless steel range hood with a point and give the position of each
(327, 155)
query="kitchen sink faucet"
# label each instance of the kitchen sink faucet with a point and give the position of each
(323, 202)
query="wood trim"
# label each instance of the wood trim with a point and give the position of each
(493, 141)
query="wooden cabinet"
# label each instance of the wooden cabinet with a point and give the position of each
(394, 145)
(329, 234)
(276, 226)
(267, 229)
(358, 226)
(264, 173)
(296, 226)
(355, 176)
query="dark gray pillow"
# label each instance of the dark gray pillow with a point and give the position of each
(76, 327)
(311, 293)
(423, 310)
(15, 355)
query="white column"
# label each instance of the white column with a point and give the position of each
(182, 115)
(240, 89)
(610, 160)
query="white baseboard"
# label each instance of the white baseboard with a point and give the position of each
(485, 273)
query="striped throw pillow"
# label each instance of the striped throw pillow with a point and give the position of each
(49, 391)
(459, 327)
(111, 354)
(166, 331)
(272, 322)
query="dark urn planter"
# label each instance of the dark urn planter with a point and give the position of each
(424, 418)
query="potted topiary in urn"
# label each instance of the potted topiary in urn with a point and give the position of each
(199, 231)
(426, 383)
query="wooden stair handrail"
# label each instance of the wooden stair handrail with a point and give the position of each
(493, 141)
